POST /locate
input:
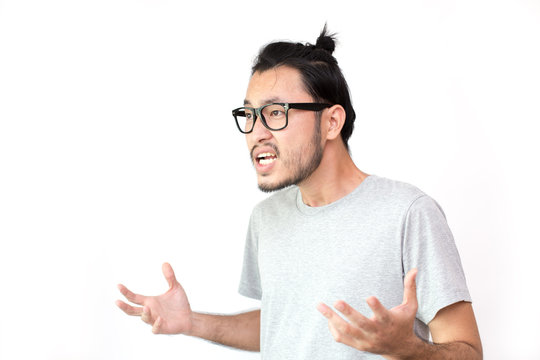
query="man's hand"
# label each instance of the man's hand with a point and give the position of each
(387, 332)
(168, 313)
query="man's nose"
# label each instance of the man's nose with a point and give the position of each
(260, 132)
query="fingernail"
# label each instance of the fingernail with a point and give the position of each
(340, 306)
(321, 308)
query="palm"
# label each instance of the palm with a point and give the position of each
(168, 313)
(173, 307)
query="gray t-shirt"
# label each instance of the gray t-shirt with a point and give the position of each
(358, 246)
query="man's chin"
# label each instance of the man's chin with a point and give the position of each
(268, 187)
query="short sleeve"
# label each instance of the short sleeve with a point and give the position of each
(428, 245)
(250, 282)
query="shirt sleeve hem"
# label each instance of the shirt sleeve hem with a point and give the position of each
(249, 292)
(455, 297)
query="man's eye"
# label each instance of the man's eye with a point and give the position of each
(276, 113)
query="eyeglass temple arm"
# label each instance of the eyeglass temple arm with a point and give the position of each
(309, 106)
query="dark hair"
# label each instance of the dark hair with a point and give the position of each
(320, 72)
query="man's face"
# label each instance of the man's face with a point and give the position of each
(289, 156)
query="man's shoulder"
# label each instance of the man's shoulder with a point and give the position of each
(386, 193)
(386, 187)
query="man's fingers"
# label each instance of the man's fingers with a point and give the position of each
(146, 316)
(336, 321)
(379, 311)
(341, 330)
(128, 309)
(354, 316)
(157, 325)
(169, 274)
(340, 336)
(325, 310)
(134, 298)
(409, 288)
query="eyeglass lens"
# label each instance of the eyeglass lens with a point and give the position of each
(274, 115)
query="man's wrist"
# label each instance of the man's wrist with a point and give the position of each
(417, 349)
(197, 326)
(411, 349)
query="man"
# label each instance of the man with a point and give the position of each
(330, 234)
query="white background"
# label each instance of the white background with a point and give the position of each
(118, 152)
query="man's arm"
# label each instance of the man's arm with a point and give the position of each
(455, 334)
(241, 331)
(390, 332)
(170, 313)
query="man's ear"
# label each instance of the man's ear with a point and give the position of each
(335, 119)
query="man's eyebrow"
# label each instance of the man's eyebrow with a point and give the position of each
(267, 101)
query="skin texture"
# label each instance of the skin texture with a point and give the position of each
(388, 332)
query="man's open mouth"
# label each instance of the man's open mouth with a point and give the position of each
(266, 158)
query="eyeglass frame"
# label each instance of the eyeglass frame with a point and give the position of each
(286, 106)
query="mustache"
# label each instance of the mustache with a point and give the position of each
(274, 147)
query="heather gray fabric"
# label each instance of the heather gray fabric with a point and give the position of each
(361, 245)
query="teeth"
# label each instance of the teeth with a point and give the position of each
(265, 155)
(266, 161)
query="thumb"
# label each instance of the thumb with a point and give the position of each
(409, 288)
(169, 274)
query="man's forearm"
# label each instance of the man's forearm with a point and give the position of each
(241, 331)
(449, 351)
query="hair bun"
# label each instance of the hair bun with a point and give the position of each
(326, 41)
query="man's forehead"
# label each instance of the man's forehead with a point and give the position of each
(274, 85)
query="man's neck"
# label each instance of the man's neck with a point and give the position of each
(336, 177)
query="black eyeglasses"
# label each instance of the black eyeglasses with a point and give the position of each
(273, 116)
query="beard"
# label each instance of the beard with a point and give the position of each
(300, 167)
